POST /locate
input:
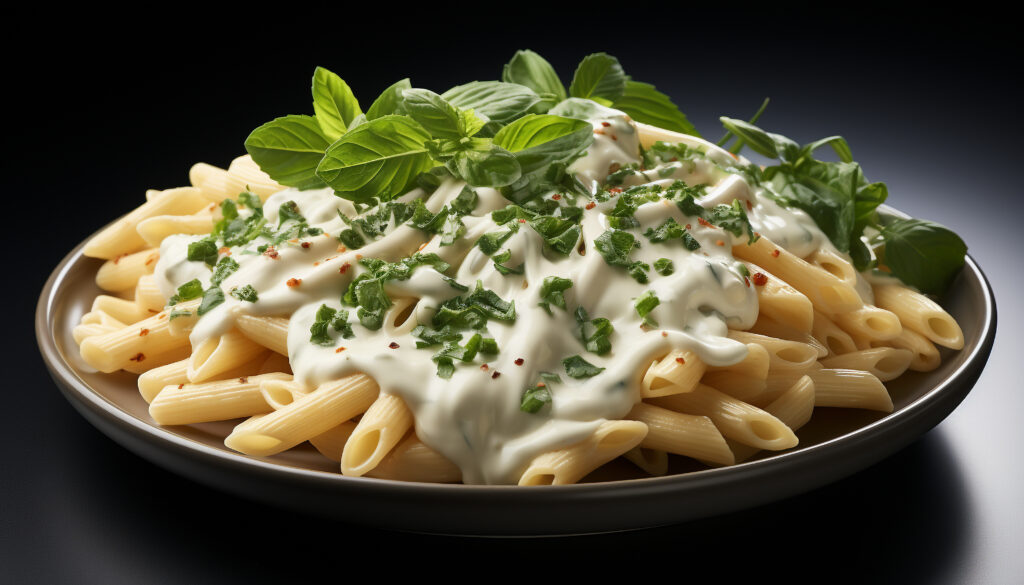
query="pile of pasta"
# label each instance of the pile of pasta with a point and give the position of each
(815, 344)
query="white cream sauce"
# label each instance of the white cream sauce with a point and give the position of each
(474, 418)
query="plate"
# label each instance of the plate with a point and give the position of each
(835, 444)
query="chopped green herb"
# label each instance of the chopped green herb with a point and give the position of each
(644, 304)
(664, 266)
(577, 367)
(246, 293)
(205, 250)
(212, 297)
(225, 267)
(594, 333)
(534, 399)
(192, 289)
(551, 292)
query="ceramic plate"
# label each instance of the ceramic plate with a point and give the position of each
(836, 443)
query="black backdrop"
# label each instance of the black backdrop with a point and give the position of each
(104, 109)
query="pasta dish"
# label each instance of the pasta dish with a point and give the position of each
(515, 283)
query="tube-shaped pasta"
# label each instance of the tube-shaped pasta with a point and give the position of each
(679, 371)
(765, 325)
(832, 336)
(211, 401)
(828, 293)
(118, 349)
(738, 385)
(734, 418)
(571, 464)
(154, 229)
(925, 356)
(683, 434)
(850, 389)
(122, 237)
(220, 354)
(920, 314)
(379, 430)
(833, 263)
(869, 323)
(123, 272)
(331, 404)
(412, 460)
(782, 353)
(84, 330)
(270, 332)
(152, 381)
(885, 363)
(125, 311)
(755, 365)
(794, 408)
(148, 296)
(780, 301)
(155, 360)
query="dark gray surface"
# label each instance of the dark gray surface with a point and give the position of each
(932, 108)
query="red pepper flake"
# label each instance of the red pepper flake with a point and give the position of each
(689, 227)
(750, 206)
(664, 333)
(423, 245)
(144, 333)
(495, 375)
(520, 361)
(243, 380)
(162, 316)
(746, 281)
(680, 360)
(152, 258)
(294, 240)
(271, 253)
(344, 267)
(556, 196)
(674, 159)
(152, 310)
(305, 245)
(614, 168)
(138, 357)
(590, 205)
(614, 137)
(359, 256)
(760, 279)
(541, 384)
(341, 249)
(601, 132)
(606, 124)
(118, 258)
(224, 250)
(521, 220)
(719, 243)
(775, 253)
(294, 282)
(180, 386)
(483, 367)
(393, 345)
(340, 349)
(615, 190)
(703, 222)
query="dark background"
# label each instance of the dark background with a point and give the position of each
(105, 108)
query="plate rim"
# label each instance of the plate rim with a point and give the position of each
(81, 395)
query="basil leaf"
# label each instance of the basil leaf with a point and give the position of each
(289, 150)
(499, 102)
(757, 139)
(438, 117)
(531, 70)
(923, 254)
(599, 77)
(212, 297)
(381, 159)
(192, 289)
(495, 167)
(334, 103)
(389, 101)
(582, 109)
(204, 250)
(540, 140)
(646, 104)
(577, 367)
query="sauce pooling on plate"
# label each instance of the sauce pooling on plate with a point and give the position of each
(581, 324)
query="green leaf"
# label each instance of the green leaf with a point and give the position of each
(599, 77)
(582, 109)
(499, 102)
(389, 102)
(646, 104)
(494, 167)
(751, 135)
(552, 292)
(644, 304)
(204, 250)
(212, 297)
(246, 293)
(334, 103)
(381, 159)
(289, 150)
(664, 266)
(923, 254)
(577, 367)
(438, 117)
(540, 140)
(534, 399)
(531, 70)
(192, 289)
(594, 333)
(225, 268)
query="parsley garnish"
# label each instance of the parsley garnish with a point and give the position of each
(594, 333)
(551, 292)
(245, 293)
(192, 289)
(577, 367)
(644, 304)
(534, 399)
